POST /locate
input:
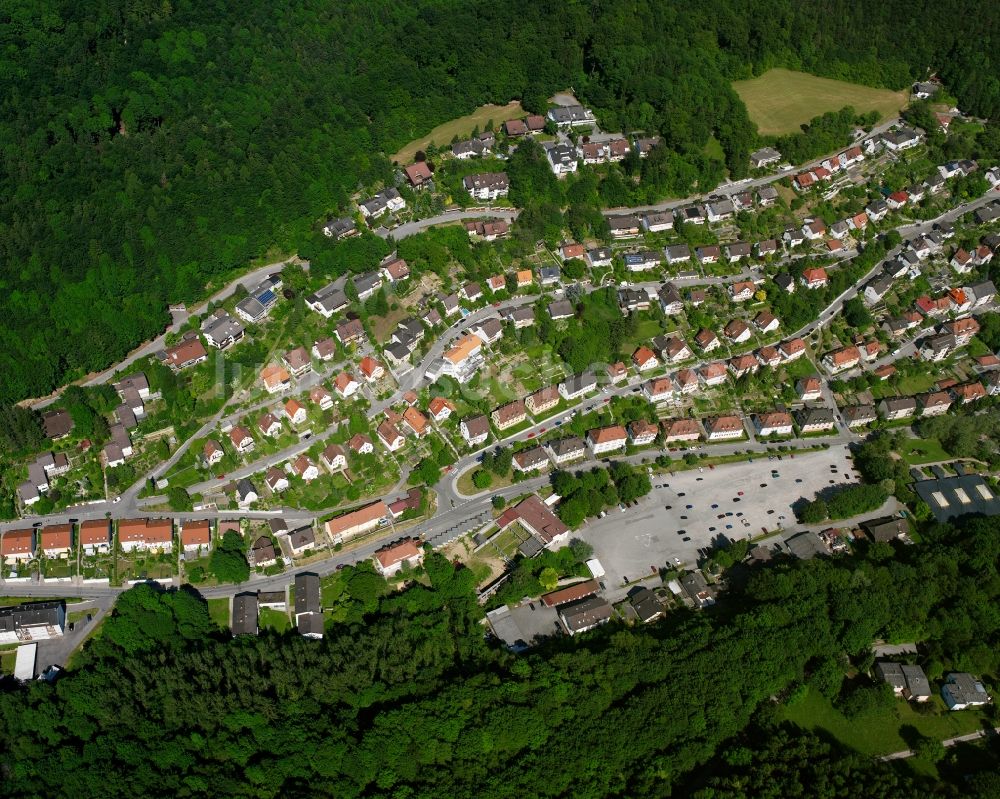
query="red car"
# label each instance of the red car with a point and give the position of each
(531, 435)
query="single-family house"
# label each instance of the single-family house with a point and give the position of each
(241, 439)
(475, 430)
(606, 439)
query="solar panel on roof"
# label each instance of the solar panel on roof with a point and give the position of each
(266, 297)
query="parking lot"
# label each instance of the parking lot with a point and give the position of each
(697, 509)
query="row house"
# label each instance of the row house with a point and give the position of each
(146, 535)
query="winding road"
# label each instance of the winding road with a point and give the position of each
(456, 514)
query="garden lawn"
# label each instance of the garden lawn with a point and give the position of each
(465, 486)
(923, 450)
(274, 619)
(780, 100)
(8, 657)
(916, 384)
(218, 611)
(875, 734)
(461, 127)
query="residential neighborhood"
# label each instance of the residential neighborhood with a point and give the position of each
(694, 376)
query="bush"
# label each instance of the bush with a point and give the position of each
(481, 479)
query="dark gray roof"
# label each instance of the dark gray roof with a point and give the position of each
(307, 593)
(339, 227)
(32, 614)
(815, 416)
(330, 297)
(367, 282)
(530, 547)
(570, 113)
(251, 308)
(220, 328)
(560, 308)
(950, 497)
(806, 545)
(581, 382)
(645, 604)
(310, 624)
(302, 537)
(244, 487)
(245, 612)
(886, 528)
(567, 446)
(585, 613)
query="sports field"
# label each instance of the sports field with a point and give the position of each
(780, 100)
(461, 127)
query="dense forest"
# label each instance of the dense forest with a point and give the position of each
(405, 697)
(150, 148)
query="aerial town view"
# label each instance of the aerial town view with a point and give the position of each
(491, 400)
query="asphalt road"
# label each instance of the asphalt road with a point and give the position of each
(448, 217)
(456, 515)
(128, 504)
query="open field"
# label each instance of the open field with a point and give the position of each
(463, 126)
(879, 734)
(780, 100)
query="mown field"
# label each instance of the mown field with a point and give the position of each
(461, 127)
(780, 100)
